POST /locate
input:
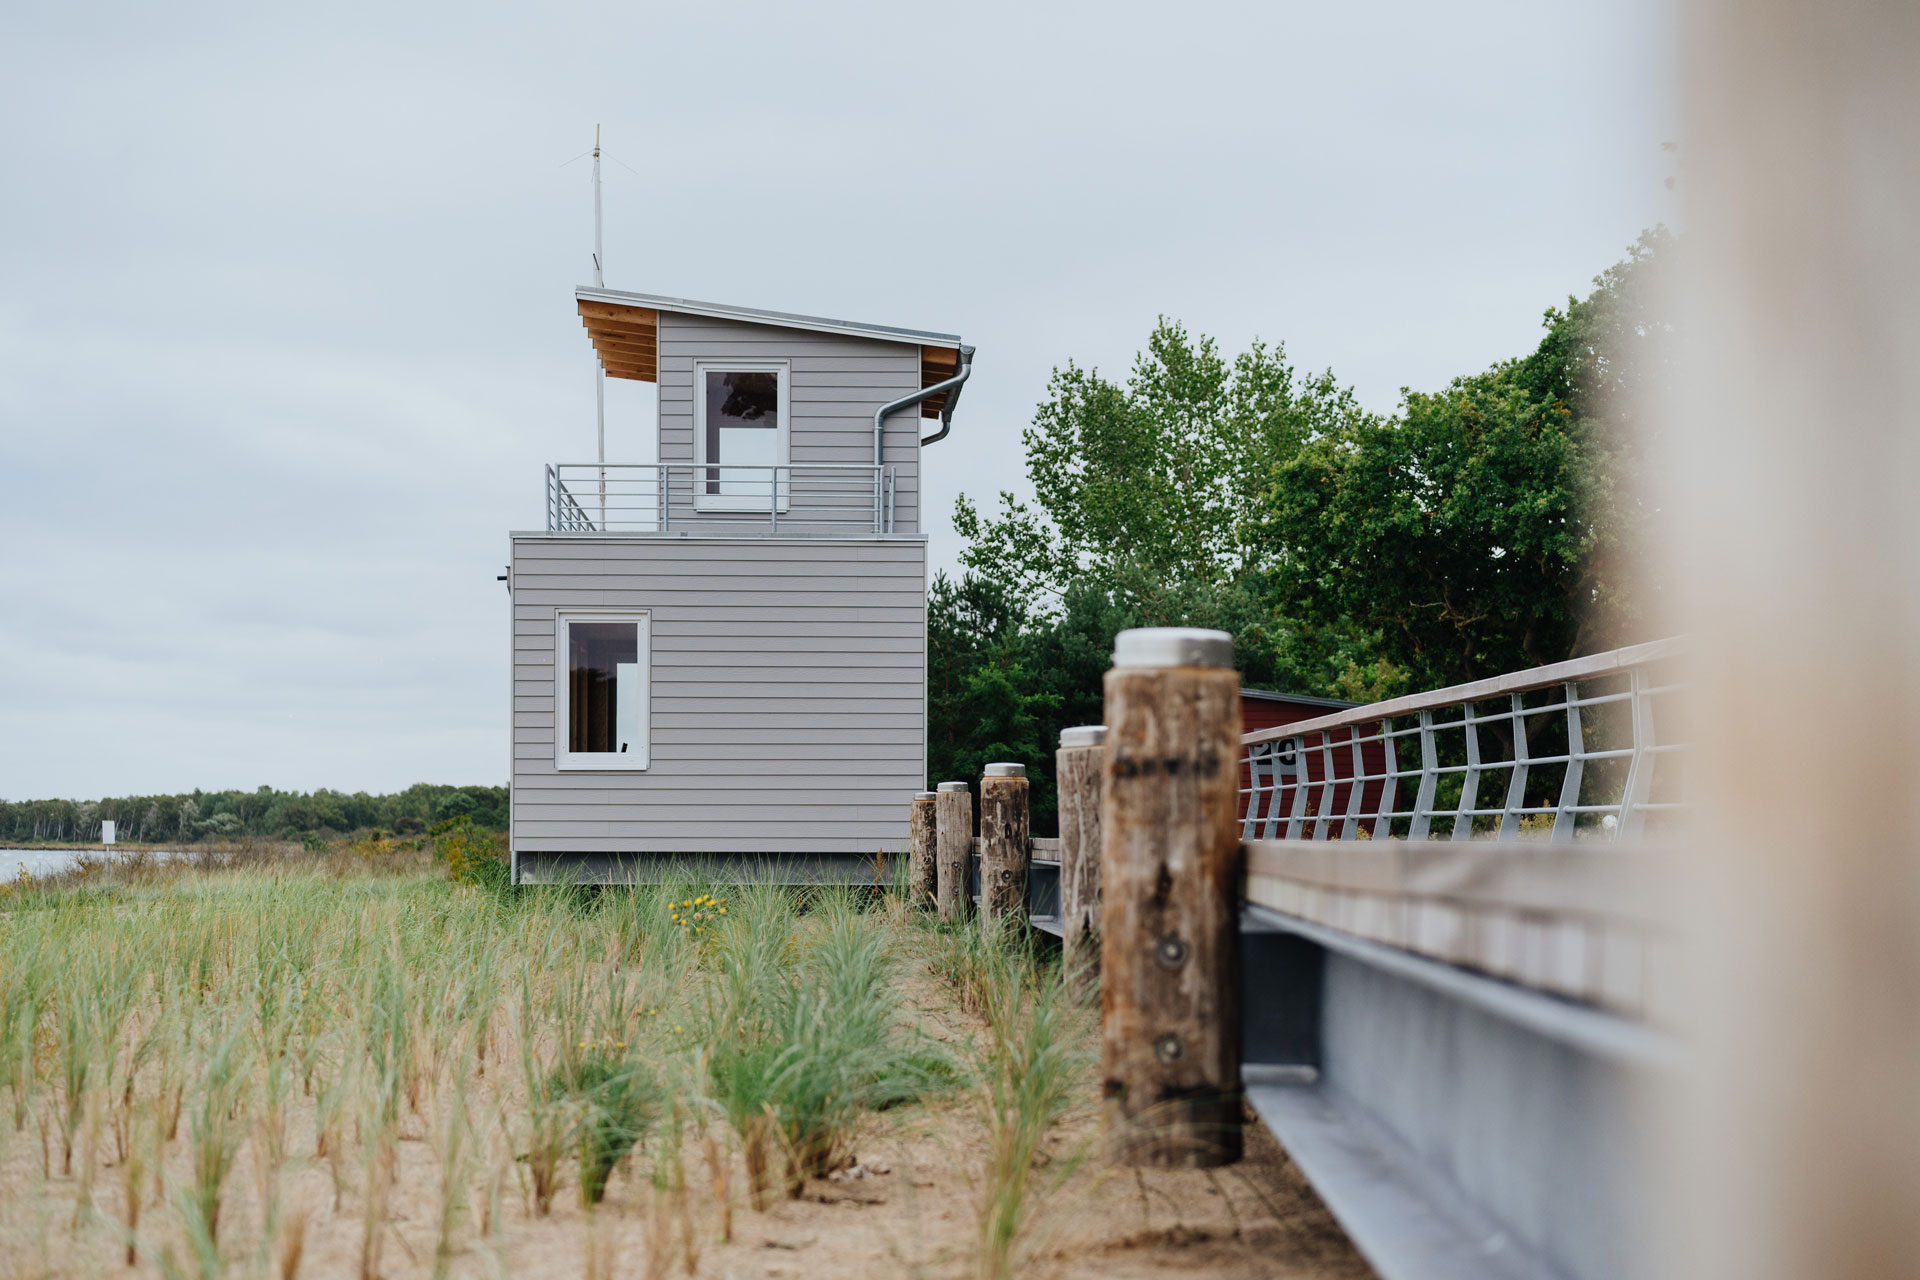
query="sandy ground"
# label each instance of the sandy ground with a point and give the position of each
(913, 1214)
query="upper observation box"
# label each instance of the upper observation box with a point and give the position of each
(770, 423)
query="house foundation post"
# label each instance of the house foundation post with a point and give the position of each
(1078, 776)
(922, 852)
(1006, 843)
(953, 838)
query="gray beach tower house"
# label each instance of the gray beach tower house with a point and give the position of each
(723, 654)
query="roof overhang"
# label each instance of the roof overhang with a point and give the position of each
(627, 338)
(625, 330)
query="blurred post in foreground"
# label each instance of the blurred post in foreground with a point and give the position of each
(1784, 465)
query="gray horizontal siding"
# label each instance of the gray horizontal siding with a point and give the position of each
(881, 601)
(694, 680)
(836, 384)
(538, 724)
(694, 801)
(723, 695)
(602, 547)
(590, 553)
(745, 578)
(697, 627)
(873, 761)
(787, 684)
(808, 735)
(693, 838)
(867, 824)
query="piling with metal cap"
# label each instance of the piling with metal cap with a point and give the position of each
(1006, 842)
(1077, 780)
(1169, 888)
(953, 844)
(922, 851)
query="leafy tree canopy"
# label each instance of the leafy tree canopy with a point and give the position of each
(1155, 482)
(1485, 527)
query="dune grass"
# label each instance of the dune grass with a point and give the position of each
(1026, 1071)
(175, 1048)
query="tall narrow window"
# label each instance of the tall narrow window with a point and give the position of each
(741, 434)
(602, 694)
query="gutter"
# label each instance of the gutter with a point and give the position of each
(952, 385)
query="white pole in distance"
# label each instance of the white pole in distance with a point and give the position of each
(599, 369)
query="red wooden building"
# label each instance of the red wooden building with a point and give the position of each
(1261, 709)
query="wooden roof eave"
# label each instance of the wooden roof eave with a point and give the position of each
(626, 338)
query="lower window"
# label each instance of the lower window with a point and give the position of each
(601, 699)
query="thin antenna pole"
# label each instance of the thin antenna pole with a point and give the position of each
(599, 369)
(599, 272)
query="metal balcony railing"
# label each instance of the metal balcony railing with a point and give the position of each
(1573, 743)
(795, 499)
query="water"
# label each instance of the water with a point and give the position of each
(40, 862)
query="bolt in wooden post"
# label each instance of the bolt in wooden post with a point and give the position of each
(922, 852)
(1077, 780)
(1006, 842)
(1169, 939)
(953, 843)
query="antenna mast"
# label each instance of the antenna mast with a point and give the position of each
(599, 369)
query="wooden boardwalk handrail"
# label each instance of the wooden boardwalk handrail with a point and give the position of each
(1598, 664)
(1425, 765)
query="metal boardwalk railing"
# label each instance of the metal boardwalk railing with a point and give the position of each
(1573, 746)
(794, 499)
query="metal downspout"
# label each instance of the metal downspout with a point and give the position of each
(952, 384)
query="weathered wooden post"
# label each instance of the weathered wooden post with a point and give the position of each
(1169, 940)
(953, 842)
(1077, 780)
(922, 851)
(1006, 842)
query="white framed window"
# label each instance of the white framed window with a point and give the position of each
(601, 676)
(741, 414)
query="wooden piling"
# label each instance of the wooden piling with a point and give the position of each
(1006, 842)
(953, 842)
(1077, 781)
(922, 852)
(1169, 939)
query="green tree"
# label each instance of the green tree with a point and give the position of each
(987, 699)
(1147, 514)
(456, 804)
(1486, 527)
(1490, 526)
(1156, 482)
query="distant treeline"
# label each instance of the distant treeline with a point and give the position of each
(233, 815)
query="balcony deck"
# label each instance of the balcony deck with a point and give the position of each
(803, 499)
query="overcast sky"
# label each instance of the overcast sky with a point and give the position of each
(286, 327)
